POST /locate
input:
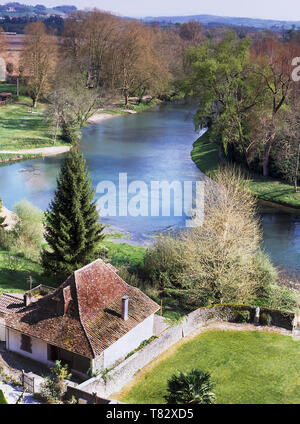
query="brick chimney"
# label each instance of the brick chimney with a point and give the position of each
(27, 299)
(125, 301)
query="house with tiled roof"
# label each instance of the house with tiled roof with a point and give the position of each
(92, 321)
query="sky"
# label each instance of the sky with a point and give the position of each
(268, 9)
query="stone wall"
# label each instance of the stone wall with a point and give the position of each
(119, 377)
(85, 397)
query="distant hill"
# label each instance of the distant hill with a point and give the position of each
(18, 10)
(223, 20)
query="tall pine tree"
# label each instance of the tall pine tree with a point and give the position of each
(72, 230)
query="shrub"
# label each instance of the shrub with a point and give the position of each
(10, 68)
(266, 273)
(163, 263)
(282, 298)
(6, 239)
(242, 316)
(194, 387)
(28, 232)
(265, 319)
(54, 387)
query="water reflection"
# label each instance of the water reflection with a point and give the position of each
(281, 228)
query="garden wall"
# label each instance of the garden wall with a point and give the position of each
(122, 374)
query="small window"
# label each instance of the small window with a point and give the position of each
(26, 344)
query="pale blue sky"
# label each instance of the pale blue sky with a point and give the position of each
(273, 9)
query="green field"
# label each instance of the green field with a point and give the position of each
(248, 367)
(21, 129)
(15, 270)
(206, 157)
(124, 254)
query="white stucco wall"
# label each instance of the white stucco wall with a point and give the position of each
(39, 348)
(129, 342)
(2, 330)
(2, 69)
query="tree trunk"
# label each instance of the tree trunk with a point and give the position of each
(126, 96)
(241, 137)
(268, 150)
(297, 169)
(266, 159)
(56, 132)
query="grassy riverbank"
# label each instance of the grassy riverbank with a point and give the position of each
(12, 157)
(23, 128)
(246, 367)
(206, 157)
(121, 109)
(15, 270)
(20, 127)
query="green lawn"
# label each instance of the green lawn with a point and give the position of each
(21, 129)
(125, 254)
(275, 191)
(246, 368)
(15, 272)
(205, 155)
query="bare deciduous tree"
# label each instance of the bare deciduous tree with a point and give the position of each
(2, 41)
(274, 59)
(38, 60)
(220, 255)
(71, 102)
(287, 143)
(219, 261)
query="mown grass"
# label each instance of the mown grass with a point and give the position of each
(206, 157)
(246, 368)
(274, 191)
(21, 129)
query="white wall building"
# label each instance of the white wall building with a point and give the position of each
(91, 322)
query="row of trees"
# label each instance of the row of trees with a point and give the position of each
(99, 59)
(246, 93)
(244, 84)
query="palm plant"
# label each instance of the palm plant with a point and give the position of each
(193, 387)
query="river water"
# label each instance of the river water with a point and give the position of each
(152, 146)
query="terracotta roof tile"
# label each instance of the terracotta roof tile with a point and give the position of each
(10, 303)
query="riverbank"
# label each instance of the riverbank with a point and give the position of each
(21, 127)
(25, 134)
(206, 156)
(12, 156)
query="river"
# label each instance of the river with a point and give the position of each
(151, 146)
